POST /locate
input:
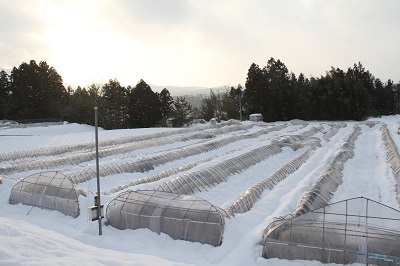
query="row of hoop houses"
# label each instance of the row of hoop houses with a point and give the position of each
(315, 230)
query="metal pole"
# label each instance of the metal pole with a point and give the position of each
(323, 238)
(345, 234)
(96, 123)
(240, 104)
(366, 230)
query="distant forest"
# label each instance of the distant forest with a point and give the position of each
(36, 92)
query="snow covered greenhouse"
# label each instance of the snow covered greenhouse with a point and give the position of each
(179, 216)
(48, 190)
(356, 230)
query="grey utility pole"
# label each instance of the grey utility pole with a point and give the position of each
(96, 123)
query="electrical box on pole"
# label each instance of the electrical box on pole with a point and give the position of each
(93, 214)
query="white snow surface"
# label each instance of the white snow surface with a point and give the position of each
(34, 236)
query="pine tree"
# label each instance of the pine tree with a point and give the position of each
(207, 109)
(277, 87)
(230, 104)
(4, 94)
(81, 107)
(182, 114)
(255, 92)
(144, 106)
(113, 105)
(235, 96)
(304, 98)
(37, 92)
(166, 102)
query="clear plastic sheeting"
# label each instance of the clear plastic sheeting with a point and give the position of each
(223, 127)
(15, 124)
(90, 145)
(158, 176)
(300, 140)
(335, 127)
(200, 179)
(392, 156)
(146, 164)
(51, 151)
(356, 230)
(179, 216)
(321, 191)
(311, 132)
(49, 190)
(165, 174)
(297, 122)
(77, 158)
(250, 197)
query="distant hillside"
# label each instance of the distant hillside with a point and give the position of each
(181, 91)
(194, 100)
(193, 95)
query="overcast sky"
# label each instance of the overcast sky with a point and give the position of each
(201, 42)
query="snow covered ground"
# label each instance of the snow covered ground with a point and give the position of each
(33, 236)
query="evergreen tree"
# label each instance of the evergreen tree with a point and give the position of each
(255, 93)
(113, 109)
(389, 97)
(316, 99)
(268, 91)
(166, 102)
(37, 92)
(360, 87)
(4, 94)
(207, 109)
(94, 91)
(235, 97)
(339, 95)
(336, 100)
(276, 77)
(182, 114)
(81, 107)
(396, 96)
(144, 106)
(227, 106)
(81, 103)
(292, 97)
(304, 98)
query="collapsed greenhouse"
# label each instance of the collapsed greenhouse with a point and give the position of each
(179, 216)
(355, 230)
(49, 190)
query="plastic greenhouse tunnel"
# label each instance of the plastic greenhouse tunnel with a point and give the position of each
(179, 216)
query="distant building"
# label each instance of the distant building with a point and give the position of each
(256, 117)
(213, 122)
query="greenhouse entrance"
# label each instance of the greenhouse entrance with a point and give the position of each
(357, 230)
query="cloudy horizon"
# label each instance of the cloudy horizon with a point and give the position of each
(198, 43)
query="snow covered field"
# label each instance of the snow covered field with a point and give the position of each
(33, 236)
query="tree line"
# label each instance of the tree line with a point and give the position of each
(354, 94)
(280, 95)
(36, 91)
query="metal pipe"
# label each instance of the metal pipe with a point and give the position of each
(96, 123)
(240, 104)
